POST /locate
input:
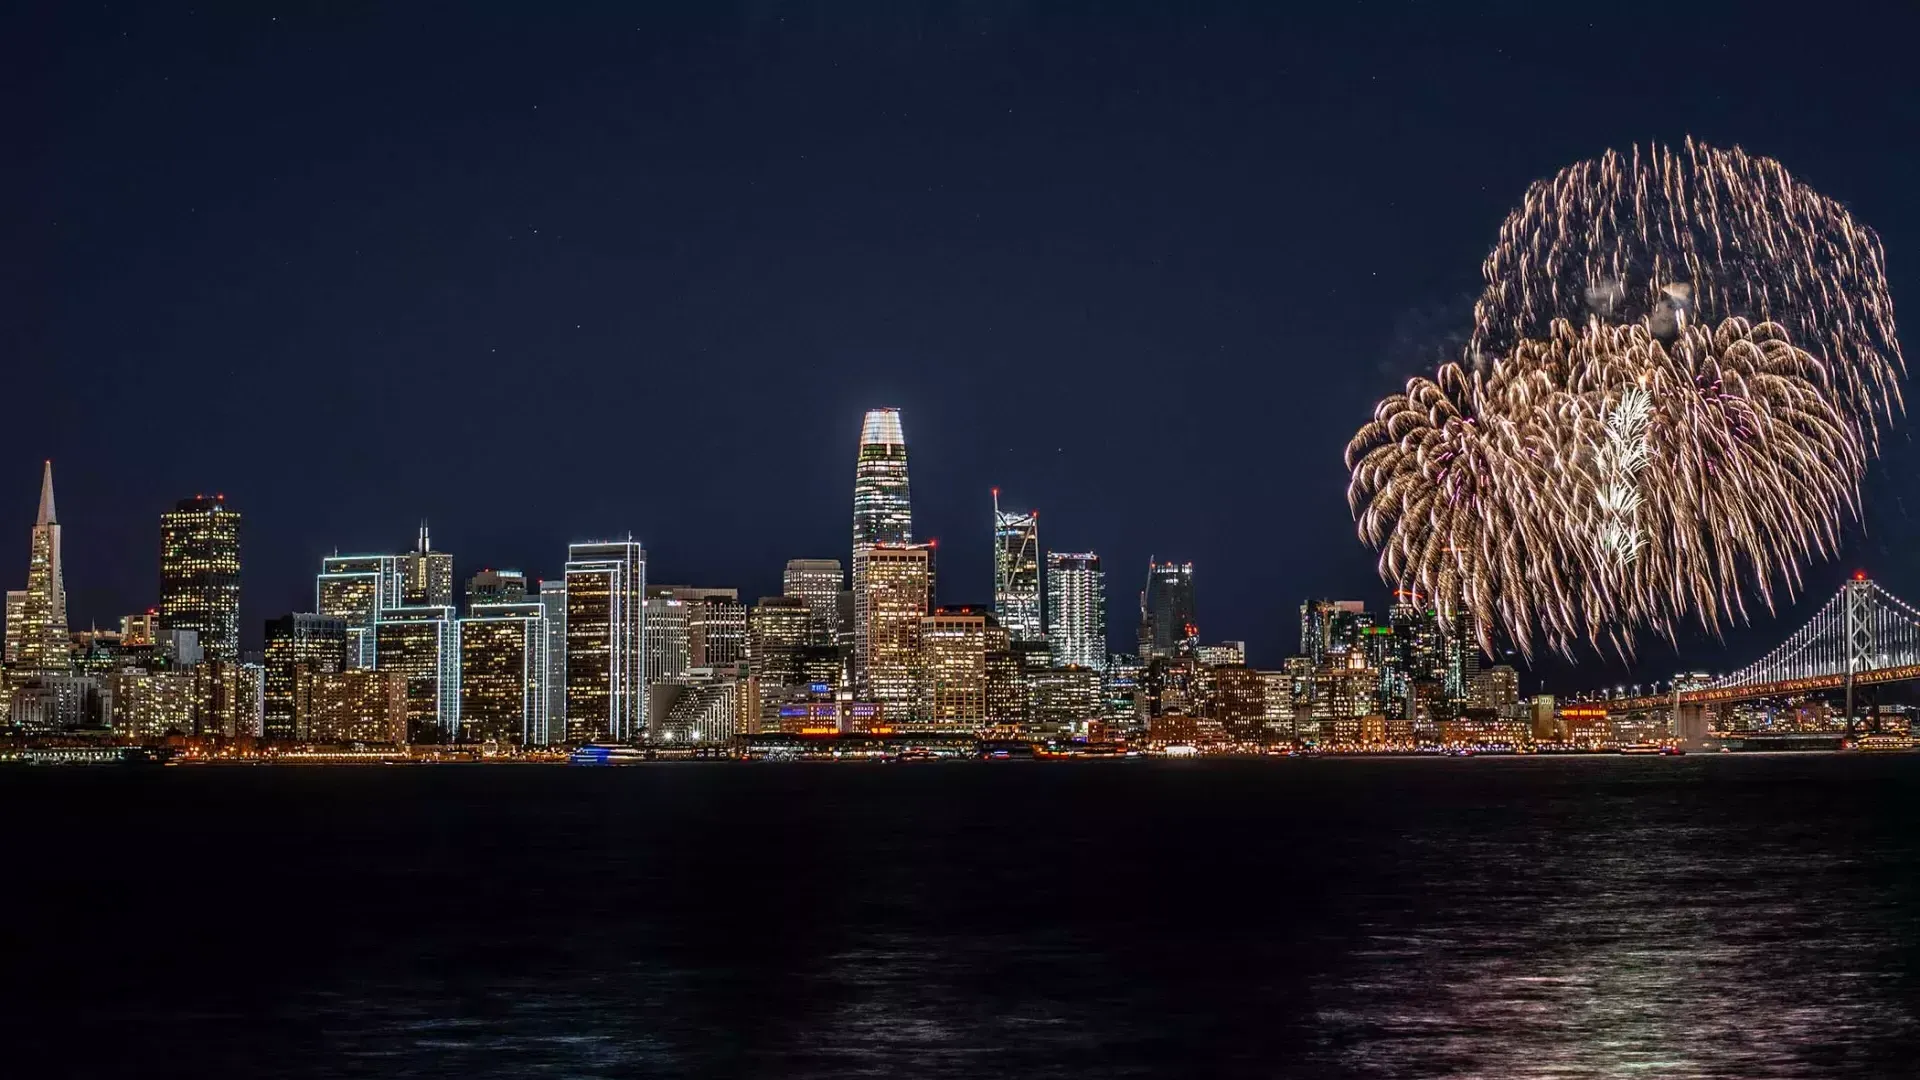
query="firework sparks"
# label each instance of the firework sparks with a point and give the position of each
(1691, 356)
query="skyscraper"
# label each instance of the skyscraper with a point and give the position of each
(882, 510)
(606, 684)
(44, 645)
(421, 644)
(954, 642)
(426, 574)
(1076, 610)
(496, 587)
(504, 673)
(819, 582)
(899, 591)
(355, 589)
(1169, 625)
(1016, 571)
(200, 574)
(16, 625)
(553, 601)
(296, 643)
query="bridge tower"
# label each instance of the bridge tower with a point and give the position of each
(1862, 642)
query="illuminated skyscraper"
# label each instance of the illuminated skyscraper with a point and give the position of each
(819, 582)
(43, 643)
(504, 673)
(296, 643)
(553, 601)
(882, 511)
(898, 593)
(1331, 624)
(426, 574)
(954, 643)
(1169, 626)
(606, 683)
(496, 587)
(1076, 610)
(1016, 571)
(16, 625)
(421, 644)
(200, 574)
(361, 706)
(355, 589)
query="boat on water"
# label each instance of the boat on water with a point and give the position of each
(609, 755)
(1643, 748)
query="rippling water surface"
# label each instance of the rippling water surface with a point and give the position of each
(1714, 916)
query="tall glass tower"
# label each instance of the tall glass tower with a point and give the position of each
(882, 512)
(200, 574)
(1016, 571)
(1167, 617)
(1076, 610)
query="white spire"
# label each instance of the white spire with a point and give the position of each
(46, 497)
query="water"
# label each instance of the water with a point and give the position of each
(1714, 916)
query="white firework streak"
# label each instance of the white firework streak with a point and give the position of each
(1618, 460)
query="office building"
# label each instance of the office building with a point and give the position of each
(426, 575)
(1462, 652)
(504, 673)
(898, 592)
(702, 709)
(150, 704)
(200, 574)
(701, 628)
(606, 587)
(355, 589)
(297, 642)
(1224, 654)
(882, 512)
(142, 629)
(1076, 628)
(1326, 625)
(1169, 625)
(1016, 571)
(1496, 687)
(665, 644)
(553, 605)
(353, 706)
(41, 619)
(820, 583)
(954, 643)
(228, 699)
(496, 587)
(1240, 702)
(1064, 702)
(422, 646)
(16, 626)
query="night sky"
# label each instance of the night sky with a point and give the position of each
(561, 272)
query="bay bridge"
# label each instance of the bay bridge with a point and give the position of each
(1864, 636)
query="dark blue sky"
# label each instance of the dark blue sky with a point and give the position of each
(563, 271)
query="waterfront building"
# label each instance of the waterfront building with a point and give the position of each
(297, 642)
(1462, 660)
(48, 703)
(606, 680)
(150, 704)
(355, 589)
(1121, 687)
(781, 639)
(701, 709)
(665, 644)
(228, 699)
(353, 706)
(200, 574)
(1546, 726)
(954, 643)
(1343, 687)
(426, 575)
(40, 616)
(1240, 702)
(898, 591)
(1064, 702)
(553, 605)
(1169, 623)
(504, 673)
(496, 587)
(1016, 571)
(421, 644)
(1497, 687)
(1076, 628)
(819, 582)
(882, 513)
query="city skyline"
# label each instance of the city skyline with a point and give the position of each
(1159, 364)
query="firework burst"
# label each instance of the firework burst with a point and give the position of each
(1691, 357)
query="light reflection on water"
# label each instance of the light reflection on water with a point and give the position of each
(1549, 919)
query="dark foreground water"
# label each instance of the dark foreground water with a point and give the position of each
(1726, 916)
